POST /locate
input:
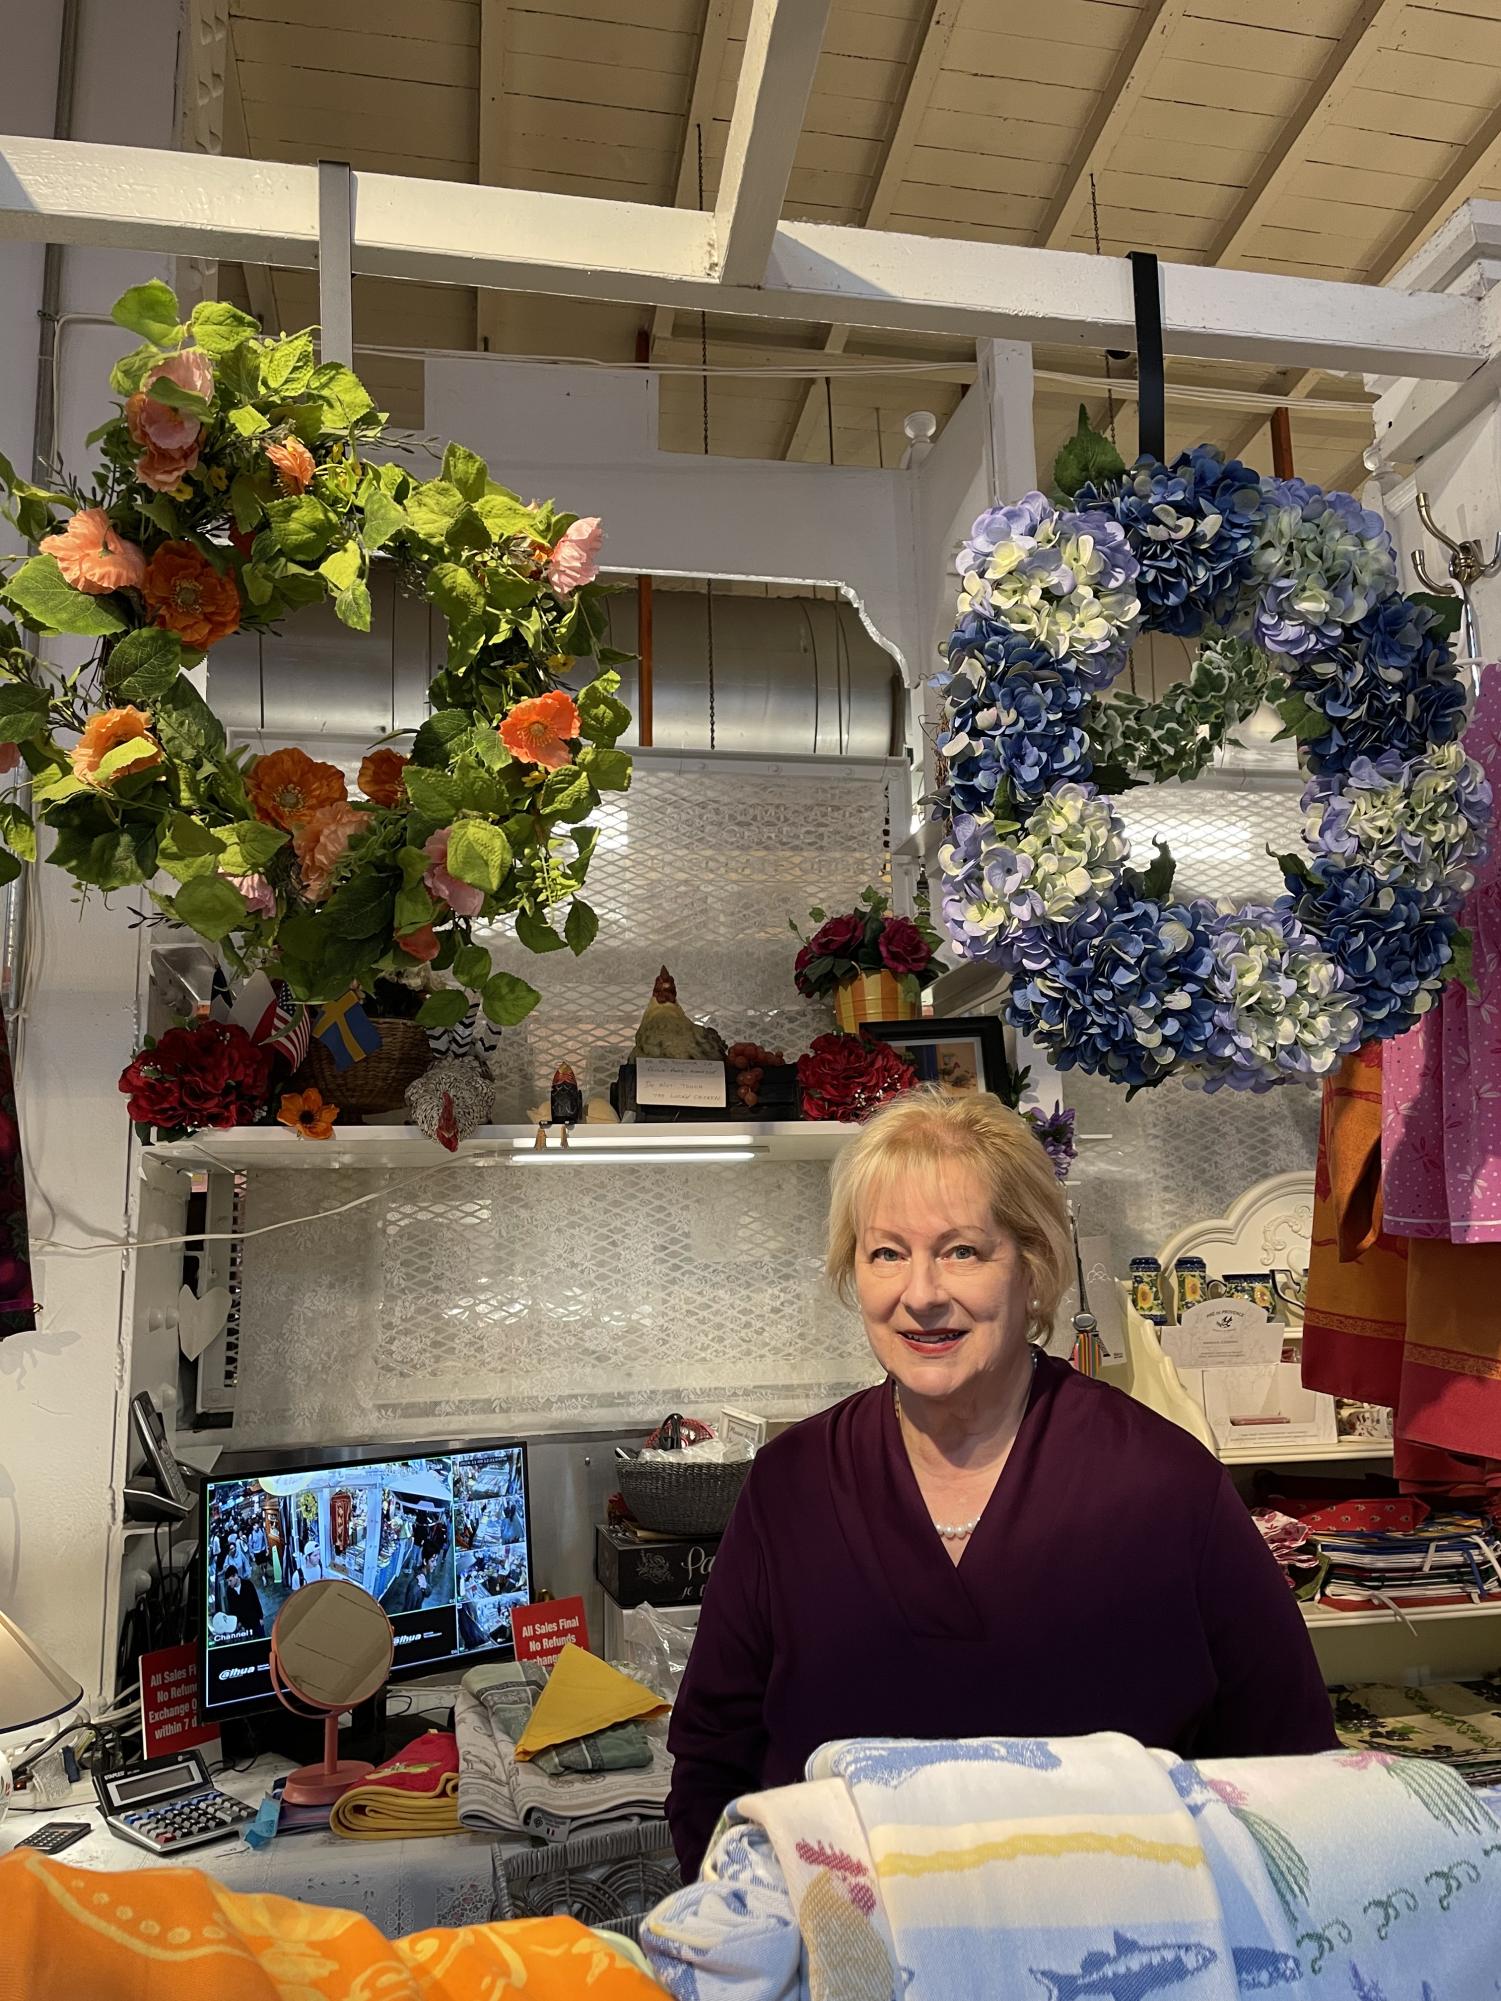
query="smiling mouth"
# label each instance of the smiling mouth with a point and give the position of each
(932, 1337)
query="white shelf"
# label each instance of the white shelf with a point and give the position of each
(1290, 1455)
(1324, 1619)
(403, 1146)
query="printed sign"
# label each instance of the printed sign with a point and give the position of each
(1223, 1334)
(542, 1631)
(169, 1701)
(697, 1085)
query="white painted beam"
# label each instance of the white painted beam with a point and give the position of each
(782, 46)
(927, 64)
(713, 38)
(578, 247)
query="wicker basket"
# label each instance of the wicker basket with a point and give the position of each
(682, 1500)
(379, 1083)
(871, 997)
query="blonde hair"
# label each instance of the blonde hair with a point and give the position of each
(929, 1129)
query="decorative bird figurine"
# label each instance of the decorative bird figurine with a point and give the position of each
(451, 1100)
(666, 1031)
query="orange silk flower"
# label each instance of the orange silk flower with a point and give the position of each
(380, 777)
(295, 465)
(288, 785)
(93, 555)
(421, 943)
(535, 731)
(307, 1115)
(102, 733)
(186, 594)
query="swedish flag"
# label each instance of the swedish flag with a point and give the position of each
(346, 1031)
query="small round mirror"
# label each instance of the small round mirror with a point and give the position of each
(331, 1648)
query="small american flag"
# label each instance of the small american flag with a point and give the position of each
(290, 1026)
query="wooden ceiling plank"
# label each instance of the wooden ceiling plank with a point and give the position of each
(924, 71)
(259, 283)
(436, 20)
(707, 69)
(556, 38)
(1469, 174)
(1133, 72)
(585, 84)
(776, 79)
(1327, 97)
(365, 54)
(494, 28)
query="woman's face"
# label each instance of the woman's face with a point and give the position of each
(941, 1285)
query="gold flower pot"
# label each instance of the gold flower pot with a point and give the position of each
(871, 997)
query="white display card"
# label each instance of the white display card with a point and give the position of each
(1229, 1333)
(696, 1085)
(1250, 1406)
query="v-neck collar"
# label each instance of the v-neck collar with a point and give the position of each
(886, 1525)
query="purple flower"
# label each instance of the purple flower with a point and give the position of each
(1055, 1129)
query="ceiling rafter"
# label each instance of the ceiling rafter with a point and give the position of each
(1128, 82)
(260, 286)
(708, 68)
(1339, 77)
(931, 49)
(783, 42)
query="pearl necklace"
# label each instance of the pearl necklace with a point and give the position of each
(950, 1531)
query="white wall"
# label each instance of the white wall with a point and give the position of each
(60, 1402)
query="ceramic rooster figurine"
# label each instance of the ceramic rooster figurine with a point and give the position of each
(666, 1031)
(451, 1101)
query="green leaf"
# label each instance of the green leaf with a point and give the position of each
(210, 906)
(301, 526)
(1293, 866)
(93, 849)
(479, 854)
(504, 514)
(245, 503)
(472, 965)
(1446, 606)
(1086, 459)
(341, 390)
(415, 907)
(434, 743)
(10, 867)
(456, 592)
(601, 718)
(188, 850)
(467, 530)
(566, 794)
(362, 906)
(582, 926)
(120, 757)
(287, 366)
(609, 769)
(1462, 962)
(435, 794)
(536, 933)
(47, 603)
(150, 310)
(383, 518)
(586, 839)
(445, 1008)
(160, 510)
(130, 371)
(505, 592)
(344, 566)
(1300, 719)
(144, 664)
(466, 471)
(17, 830)
(185, 725)
(247, 420)
(507, 1000)
(432, 509)
(23, 712)
(164, 390)
(260, 588)
(1157, 881)
(353, 607)
(248, 845)
(218, 328)
(480, 791)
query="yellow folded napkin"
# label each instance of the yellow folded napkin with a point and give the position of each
(583, 1694)
(413, 1794)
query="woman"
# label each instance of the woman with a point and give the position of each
(988, 1544)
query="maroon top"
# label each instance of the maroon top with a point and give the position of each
(1115, 1582)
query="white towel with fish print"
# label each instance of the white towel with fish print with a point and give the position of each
(1090, 1869)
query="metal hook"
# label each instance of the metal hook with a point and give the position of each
(1468, 566)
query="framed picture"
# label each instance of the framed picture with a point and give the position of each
(966, 1052)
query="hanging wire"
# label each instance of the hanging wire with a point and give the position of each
(703, 351)
(1094, 210)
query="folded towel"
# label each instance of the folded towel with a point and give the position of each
(621, 1748)
(583, 1696)
(1089, 1867)
(414, 1793)
(496, 1791)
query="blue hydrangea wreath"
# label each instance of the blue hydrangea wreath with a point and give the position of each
(1293, 593)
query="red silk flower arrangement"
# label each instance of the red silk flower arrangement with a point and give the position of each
(847, 1076)
(866, 940)
(207, 1074)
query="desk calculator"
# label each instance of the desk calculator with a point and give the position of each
(170, 1805)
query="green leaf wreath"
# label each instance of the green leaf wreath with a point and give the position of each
(240, 481)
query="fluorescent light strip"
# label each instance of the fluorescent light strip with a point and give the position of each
(621, 1156)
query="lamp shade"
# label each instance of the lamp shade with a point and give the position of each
(32, 1685)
